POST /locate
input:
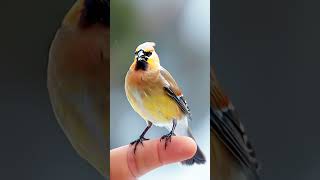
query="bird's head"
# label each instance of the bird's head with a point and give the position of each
(85, 13)
(146, 57)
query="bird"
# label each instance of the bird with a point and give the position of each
(157, 98)
(78, 80)
(232, 154)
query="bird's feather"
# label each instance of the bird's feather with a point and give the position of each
(172, 89)
(229, 130)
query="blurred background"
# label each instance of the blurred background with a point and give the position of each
(267, 59)
(33, 146)
(181, 30)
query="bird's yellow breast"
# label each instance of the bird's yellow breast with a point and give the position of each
(151, 102)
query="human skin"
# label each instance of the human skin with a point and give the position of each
(127, 165)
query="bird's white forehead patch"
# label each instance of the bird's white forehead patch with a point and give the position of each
(146, 46)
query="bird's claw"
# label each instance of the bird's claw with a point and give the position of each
(167, 139)
(137, 142)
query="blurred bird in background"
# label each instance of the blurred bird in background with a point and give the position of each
(156, 97)
(232, 155)
(78, 80)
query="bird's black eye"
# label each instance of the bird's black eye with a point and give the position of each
(148, 54)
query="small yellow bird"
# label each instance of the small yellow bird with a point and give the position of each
(78, 76)
(156, 97)
(232, 155)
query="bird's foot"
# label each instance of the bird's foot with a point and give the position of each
(167, 138)
(137, 142)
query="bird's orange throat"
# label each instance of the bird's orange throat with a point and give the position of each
(141, 77)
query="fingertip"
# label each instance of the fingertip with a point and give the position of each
(154, 154)
(180, 148)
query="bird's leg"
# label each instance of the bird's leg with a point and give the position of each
(167, 137)
(141, 138)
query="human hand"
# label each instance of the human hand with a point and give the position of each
(127, 165)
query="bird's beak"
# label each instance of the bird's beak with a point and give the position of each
(141, 56)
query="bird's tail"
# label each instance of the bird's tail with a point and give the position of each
(182, 129)
(198, 158)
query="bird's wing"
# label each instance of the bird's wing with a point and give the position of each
(173, 90)
(228, 128)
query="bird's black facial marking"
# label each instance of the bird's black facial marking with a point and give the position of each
(141, 65)
(148, 54)
(96, 12)
(142, 59)
(142, 55)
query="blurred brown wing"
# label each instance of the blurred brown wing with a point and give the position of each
(226, 125)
